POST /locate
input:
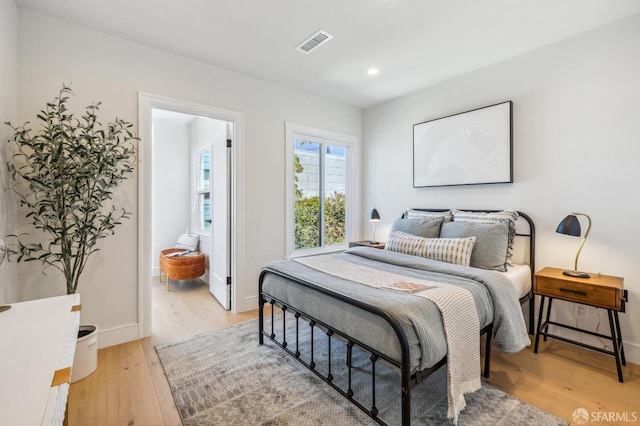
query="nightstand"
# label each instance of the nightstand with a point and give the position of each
(377, 245)
(601, 291)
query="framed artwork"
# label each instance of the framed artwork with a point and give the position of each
(469, 148)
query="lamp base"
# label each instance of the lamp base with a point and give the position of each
(576, 274)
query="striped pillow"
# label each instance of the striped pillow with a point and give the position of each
(402, 242)
(485, 217)
(421, 214)
(450, 250)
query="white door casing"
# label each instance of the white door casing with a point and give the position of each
(146, 102)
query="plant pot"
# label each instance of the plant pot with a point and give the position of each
(85, 361)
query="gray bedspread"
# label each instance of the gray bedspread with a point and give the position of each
(493, 294)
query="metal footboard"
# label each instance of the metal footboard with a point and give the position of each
(404, 365)
(407, 380)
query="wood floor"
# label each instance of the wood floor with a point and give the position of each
(129, 387)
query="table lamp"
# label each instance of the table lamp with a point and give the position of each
(375, 217)
(570, 225)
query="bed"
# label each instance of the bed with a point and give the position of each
(393, 303)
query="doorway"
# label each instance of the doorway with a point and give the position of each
(187, 184)
(191, 192)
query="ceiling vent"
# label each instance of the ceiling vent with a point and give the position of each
(314, 41)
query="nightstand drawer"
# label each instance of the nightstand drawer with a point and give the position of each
(601, 296)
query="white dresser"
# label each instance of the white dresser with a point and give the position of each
(37, 345)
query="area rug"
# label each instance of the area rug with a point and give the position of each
(225, 377)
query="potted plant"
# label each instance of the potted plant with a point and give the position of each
(64, 176)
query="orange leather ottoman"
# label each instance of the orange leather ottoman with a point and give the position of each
(187, 267)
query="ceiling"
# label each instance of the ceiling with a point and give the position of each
(413, 43)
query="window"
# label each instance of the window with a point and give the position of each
(203, 189)
(320, 195)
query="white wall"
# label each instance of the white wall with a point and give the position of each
(113, 70)
(576, 144)
(8, 112)
(171, 185)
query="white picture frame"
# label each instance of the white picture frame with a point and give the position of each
(469, 148)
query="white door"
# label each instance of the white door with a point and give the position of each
(219, 263)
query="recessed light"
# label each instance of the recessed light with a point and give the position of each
(372, 71)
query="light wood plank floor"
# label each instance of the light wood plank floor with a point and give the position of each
(129, 387)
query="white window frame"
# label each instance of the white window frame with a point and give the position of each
(197, 219)
(297, 131)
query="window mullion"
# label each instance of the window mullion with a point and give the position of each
(321, 172)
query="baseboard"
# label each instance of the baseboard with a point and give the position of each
(117, 335)
(247, 304)
(632, 352)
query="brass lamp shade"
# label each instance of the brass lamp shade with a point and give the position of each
(375, 217)
(570, 225)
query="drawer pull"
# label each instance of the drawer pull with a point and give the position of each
(568, 290)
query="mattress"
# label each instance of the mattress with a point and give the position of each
(520, 277)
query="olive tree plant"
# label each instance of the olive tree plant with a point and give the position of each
(64, 174)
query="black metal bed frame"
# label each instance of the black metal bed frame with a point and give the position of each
(408, 380)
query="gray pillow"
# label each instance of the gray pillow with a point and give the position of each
(492, 241)
(425, 228)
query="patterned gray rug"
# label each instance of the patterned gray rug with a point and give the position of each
(225, 378)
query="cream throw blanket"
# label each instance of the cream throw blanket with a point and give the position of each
(457, 308)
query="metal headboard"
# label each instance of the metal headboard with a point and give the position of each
(529, 233)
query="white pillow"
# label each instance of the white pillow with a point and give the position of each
(188, 242)
(451, 250)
